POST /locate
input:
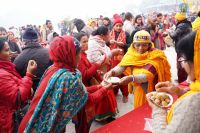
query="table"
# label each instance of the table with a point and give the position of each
(132, 122)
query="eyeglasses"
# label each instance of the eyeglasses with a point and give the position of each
(182, 59)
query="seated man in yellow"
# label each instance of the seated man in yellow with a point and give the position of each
(144, 66)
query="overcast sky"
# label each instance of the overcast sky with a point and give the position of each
(21, 12)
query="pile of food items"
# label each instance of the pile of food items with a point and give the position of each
(160, 99)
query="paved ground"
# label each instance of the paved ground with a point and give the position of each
(127, 107)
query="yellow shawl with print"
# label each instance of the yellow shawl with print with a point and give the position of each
(133, 61)
(155, 57)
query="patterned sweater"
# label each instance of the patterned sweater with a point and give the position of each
(97, 50)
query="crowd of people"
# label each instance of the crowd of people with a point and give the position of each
(65, 77)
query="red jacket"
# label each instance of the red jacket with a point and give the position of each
(96, 94)
(87, 69)
(11, 83)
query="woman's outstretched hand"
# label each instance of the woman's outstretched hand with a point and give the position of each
(126, 80)
(167, 87)
(108, 75)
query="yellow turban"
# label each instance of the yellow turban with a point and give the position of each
(89, 23)
(180, 16)
(142, 36)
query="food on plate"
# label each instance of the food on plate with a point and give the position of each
(161, 99)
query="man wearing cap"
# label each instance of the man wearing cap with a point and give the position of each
(32, 51)
(183, 27)
(143, 66)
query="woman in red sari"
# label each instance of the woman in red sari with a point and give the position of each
(61, 93)
(119, 40)
(103, 104)
(12, 84)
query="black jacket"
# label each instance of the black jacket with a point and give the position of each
(14, 48)
(182, 28)
(35, 52)
(128, 42)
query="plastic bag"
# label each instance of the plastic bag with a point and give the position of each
(148, 124)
